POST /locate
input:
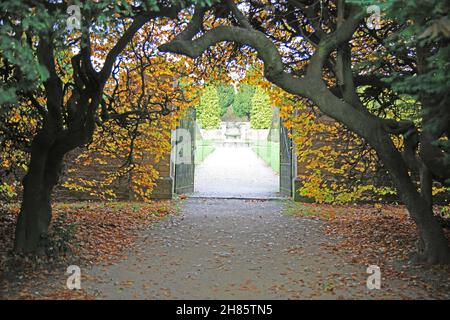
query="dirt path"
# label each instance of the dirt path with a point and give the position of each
(236, 249)
(235, 172)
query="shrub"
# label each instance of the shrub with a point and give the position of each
(261, 112)
(208, 111)
(243, 101)
(226, 97)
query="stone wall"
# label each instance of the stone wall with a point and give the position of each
(378, 179)
(121, 187)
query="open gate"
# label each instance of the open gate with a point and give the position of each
(184, 151)
(286, 163)
(183, 164)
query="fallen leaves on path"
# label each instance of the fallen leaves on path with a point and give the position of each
(104, 232)
(62, 294)
(81, 234)
(377, 235)
(372, 236)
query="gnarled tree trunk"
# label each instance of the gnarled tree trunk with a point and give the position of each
(35, 212)
(433, 245)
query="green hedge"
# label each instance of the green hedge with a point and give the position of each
(242, 103)
(208, 110)
(261, 112)
(203, 148)
(225, 93)
(268, 151)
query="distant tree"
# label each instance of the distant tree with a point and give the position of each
(242, 104)
(208, 110)
(261, 111)
(226, 97)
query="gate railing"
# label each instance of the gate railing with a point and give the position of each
(203, 147)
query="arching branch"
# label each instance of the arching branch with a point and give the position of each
(311, 86)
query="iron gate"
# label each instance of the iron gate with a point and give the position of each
(184, 154)
(285, 161)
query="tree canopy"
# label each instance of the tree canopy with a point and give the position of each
(69, 83)
(261, 110)
(335, 41)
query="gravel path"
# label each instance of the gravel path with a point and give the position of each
(235, 172)
(234, 249)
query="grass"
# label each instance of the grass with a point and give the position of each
(313, 210)
(297, 209)
(268, 151)
(203, 149)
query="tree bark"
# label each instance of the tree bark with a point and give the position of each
(433, 245)
(36, 212)
(433, 248)
(35, 215)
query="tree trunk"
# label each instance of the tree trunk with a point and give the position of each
(35, 215)
(36, 212)
(434, 246)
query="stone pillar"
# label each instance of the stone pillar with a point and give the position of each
(164, 185)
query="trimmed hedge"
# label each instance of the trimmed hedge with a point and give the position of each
(208, 111)
(261, 113)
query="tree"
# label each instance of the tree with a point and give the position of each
(132, 149)
(261, 112)
(314, 50)
(208, 110)
(129, 149)
(242, 104)
(35, 50)
(426, 32)
(322, 35)
(226, 97)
